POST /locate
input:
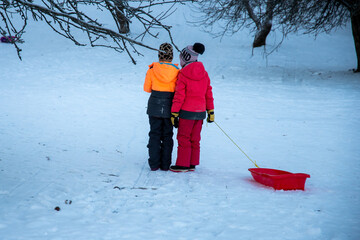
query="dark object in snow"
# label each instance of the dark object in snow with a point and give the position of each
(68, 202)
(278, 179)
(8, 39)
(57, 208)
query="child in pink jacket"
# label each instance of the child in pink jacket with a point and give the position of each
(193, 99)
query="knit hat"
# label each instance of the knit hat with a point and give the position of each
(190, 53)
(166, 52)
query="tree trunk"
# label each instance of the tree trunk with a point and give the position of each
(260, 36)
(124, 26)
(355, 24)
(265, 27)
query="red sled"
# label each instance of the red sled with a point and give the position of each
(278, 179)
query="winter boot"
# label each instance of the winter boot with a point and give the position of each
(192, 168)
(176, 168)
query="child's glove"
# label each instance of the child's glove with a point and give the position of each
(175, 119)
(211, 116)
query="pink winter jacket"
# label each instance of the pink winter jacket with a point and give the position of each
(193, 91)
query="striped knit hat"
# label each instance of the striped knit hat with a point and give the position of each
(190, 53)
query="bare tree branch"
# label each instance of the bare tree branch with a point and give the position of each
(65, 17)
(263, 16)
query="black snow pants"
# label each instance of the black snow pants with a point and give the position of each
(160, 143)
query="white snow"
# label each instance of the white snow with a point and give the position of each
(73, 127)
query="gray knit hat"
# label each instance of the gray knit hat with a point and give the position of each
(190, 53)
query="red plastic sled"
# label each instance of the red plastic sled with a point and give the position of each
(278, 179)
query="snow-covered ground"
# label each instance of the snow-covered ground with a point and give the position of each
(73, 134)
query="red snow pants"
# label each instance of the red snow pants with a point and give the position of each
(188, 137)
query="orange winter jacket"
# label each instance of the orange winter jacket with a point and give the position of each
(161, 76)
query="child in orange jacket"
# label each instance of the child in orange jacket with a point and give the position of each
(160, 81)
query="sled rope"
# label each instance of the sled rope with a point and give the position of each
(254, 162)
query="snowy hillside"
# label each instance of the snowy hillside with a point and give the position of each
(73, 135)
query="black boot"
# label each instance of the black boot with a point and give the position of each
(176, 168)
(192, 168)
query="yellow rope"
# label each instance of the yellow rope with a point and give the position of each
(254, 162)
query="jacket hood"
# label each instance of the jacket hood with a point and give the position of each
(194, 71)
(165, 71)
